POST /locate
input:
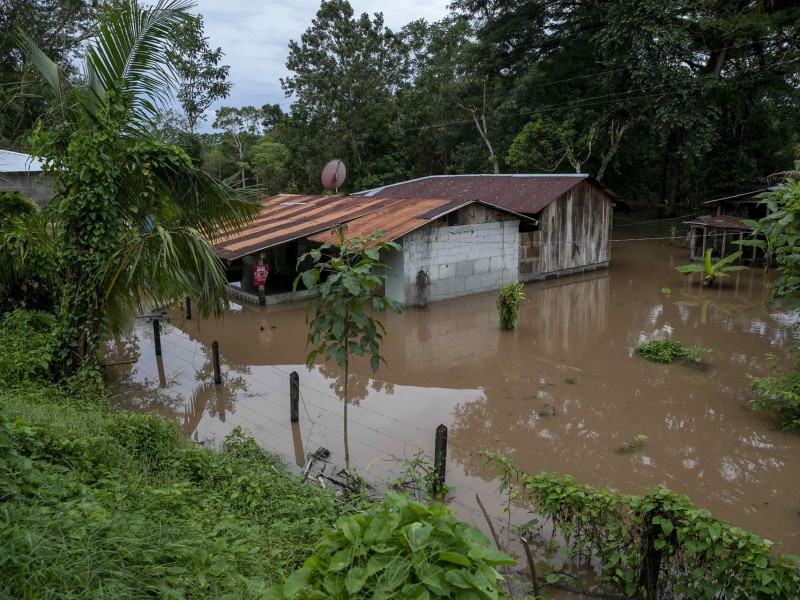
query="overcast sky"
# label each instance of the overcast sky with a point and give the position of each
(255, 38)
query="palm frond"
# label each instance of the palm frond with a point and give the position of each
(130, 53)
(52, 75)
(162, 267)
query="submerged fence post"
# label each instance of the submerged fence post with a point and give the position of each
(440, 459)
(157, 336)
(294, 396)
(215, 360)
(188, 308)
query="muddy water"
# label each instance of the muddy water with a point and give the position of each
(561, 393)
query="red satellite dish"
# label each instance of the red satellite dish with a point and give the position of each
(333, 175)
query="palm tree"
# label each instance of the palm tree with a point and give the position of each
(136, 213)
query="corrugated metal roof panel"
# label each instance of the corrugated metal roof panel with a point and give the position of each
(720, 222)
(288, 217)
(16, 162)
(520, 193)
(397, 219)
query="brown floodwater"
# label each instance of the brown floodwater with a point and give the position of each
(561, 393)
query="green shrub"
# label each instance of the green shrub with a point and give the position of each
(667, 351)
(657, 545)
(24, 338)
(99, 504)
(508, 305)
(780, 393)
(399, 549)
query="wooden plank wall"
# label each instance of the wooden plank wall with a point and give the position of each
(575, 230)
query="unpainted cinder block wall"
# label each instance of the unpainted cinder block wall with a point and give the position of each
(459, 260)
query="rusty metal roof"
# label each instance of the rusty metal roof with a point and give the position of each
(403, 216)
(288, 217)
(720, 222)
(519, 193)
(397, 219)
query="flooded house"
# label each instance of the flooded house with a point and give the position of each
(23, 173)
(459, 235)
(570, 215)
(450, 248)
(720, 231)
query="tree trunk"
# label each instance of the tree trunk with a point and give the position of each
(671, 170)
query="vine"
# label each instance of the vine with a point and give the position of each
(658, 545)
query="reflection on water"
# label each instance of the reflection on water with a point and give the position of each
(561, 393)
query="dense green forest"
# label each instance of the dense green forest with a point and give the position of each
(669, 102)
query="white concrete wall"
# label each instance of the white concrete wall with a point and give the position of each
(459, 260)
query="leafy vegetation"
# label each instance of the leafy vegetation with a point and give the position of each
(713, 270)
(657, 545)
(779, 393)
(339, 324)
(418, 478)
(778, 234)
(97, 503)
(668, 351)
(134, 212)
(399, 548)
(508, 305)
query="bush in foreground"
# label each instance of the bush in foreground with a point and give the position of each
(399, 549)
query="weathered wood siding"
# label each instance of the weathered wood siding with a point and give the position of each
(574, 231)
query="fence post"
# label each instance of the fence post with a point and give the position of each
(157, 336)
(215, 360)
(188, 308)
(294, 396)
(440, 459)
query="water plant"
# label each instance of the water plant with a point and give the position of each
(668, 351)
(638, 441)
(399, 548)
(508, 305)
(713, 270)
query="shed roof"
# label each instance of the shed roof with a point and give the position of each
(17, 162)
(720, 222)
(519, 193)
(288, 217)
(402, 216)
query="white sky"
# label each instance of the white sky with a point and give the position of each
(255, 39)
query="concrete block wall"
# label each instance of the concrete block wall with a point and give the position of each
(34, 186)
(459, 260)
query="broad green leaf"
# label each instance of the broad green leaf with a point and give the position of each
(456, 559)
(341, 559)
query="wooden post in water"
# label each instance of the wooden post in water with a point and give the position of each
(157, 336)
(215, 360)
(188, 308)
(294, 396)
(440, 459)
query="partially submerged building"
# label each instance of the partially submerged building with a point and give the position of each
(568, 229)
(459, 235)
(720, 232)
(23, 173)
(449, 248)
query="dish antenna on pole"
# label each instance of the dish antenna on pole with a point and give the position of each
(333, 175)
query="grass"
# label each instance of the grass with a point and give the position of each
(668, 351)
(96, 503)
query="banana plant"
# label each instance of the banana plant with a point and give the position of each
(713, 271)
